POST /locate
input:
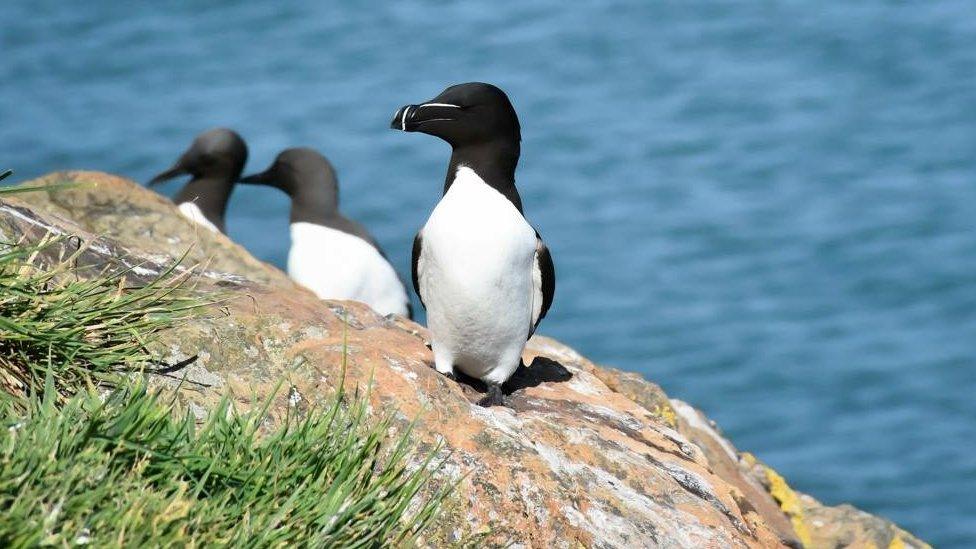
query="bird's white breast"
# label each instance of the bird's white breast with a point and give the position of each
(475, 276)
(192, 212)
(338, 265)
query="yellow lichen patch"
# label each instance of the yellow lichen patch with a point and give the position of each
(748, 458)
(666, 413)
(896, 543)
(789, 502)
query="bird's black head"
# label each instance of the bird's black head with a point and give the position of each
(219, 154)
(463, 115)
(307, 177)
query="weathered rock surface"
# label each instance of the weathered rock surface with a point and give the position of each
(588, 457)
(107, 205)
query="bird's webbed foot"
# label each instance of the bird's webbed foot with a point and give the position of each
(495, 396)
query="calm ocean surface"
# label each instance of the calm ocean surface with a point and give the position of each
(769, 209)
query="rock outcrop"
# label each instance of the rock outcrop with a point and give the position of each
(589, 456)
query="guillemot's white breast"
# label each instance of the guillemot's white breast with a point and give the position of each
(338, 265)
(192, 212)
(475, 273)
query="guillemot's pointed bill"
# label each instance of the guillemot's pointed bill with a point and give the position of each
(330, 254)
(215, 160)
(177, 170)
(481, 271)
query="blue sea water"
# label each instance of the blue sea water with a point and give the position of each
(768, 207)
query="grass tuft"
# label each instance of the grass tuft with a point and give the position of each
(78, 328)
(126, 470)
(89, 456)
(21, 189)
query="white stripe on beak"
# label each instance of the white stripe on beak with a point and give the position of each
(403, 121)
(441, 105)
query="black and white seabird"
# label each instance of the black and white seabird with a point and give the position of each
(215, 160)
(330, 254)
(481, 271)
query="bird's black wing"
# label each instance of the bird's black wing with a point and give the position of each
(543, 283)
(414, 266)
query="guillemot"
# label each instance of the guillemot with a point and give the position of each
(481, 270)
(215, 160)
(330, 254)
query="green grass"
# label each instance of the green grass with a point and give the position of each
(89, 456)
(18, 190)
(128, 471)
(82, 326)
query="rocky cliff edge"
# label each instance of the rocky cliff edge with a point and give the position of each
(588, 456)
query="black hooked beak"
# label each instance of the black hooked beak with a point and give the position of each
(411, 118)
(177, 170)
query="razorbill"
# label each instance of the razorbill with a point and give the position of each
(215, 160)
(481, 271)
(330, 254)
